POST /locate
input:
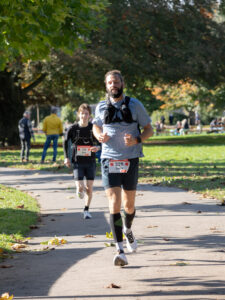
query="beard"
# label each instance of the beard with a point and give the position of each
(115, 95)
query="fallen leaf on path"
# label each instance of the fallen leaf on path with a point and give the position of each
(180, 264)
(20, 206)
(186, 203)
(70, 197)
(36, 195)
(166, 239)
(187, 226)
(199, 212)
(89, 236)
(33, 227)
(213, 228)
(152, 226)
(109, 244)
(6, 296)
(17, 247)
(6, 266)
(109, 235)
(113, 286)
(55, 241)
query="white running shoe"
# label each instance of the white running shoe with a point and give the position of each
(80, 195)
(87, 215)
(131, 242)
(120, 260)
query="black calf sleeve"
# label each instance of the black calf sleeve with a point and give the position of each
(116, 224)
(128, 220)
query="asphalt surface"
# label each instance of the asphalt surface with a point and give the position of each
(181, 252)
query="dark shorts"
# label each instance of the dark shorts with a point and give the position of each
(87, 170)
(128, 181)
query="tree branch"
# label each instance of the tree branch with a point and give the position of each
(33, 84)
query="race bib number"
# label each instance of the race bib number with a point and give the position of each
(83, 150)
(119, 166)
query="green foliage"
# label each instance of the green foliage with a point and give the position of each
(157, 41)
(29, 31)
(68, 113)
(31, 28)
(17, 212)
(150, 42)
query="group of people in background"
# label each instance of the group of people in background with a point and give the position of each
(120, 125)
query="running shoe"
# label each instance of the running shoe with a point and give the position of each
(131, 242)
(80, 195)
(87, 215)
(120, 260)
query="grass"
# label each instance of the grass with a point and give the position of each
(194, 163)
(18, 211)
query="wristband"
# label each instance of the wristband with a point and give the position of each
(138, 139)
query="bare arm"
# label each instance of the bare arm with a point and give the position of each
(146, 133)
(98, 133)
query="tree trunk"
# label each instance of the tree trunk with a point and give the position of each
(11, 108)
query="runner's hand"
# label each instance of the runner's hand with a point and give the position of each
(103, 138)
(95, 148)
(129, 140)
(67, 162)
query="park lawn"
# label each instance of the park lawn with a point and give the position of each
(194, 163)
(18, 211)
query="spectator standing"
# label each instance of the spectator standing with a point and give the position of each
(178, 128)
(53, 128)
(116, 126)
(84, 146)
(171, 118)
(197, 118)
(184, 127)
(25, 133)
(162, 120)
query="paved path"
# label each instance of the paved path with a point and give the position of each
(181, 245)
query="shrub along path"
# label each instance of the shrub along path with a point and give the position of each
(181, 245)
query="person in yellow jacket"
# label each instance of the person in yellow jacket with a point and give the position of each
(53, 128)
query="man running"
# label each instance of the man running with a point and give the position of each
(117, 125)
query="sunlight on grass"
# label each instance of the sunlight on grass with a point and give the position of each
(17, 212)
(198, 167)
(191, 162)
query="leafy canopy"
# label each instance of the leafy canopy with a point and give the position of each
(30, 28)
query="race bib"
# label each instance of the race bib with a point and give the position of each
(83, 150)
(119, 166)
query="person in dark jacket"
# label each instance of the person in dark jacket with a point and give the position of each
(25, 133)
(84, 147)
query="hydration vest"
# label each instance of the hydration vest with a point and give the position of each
(84, 139)
(110, 114)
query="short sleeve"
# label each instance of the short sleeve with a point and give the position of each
(97, 119)
(142, 116)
